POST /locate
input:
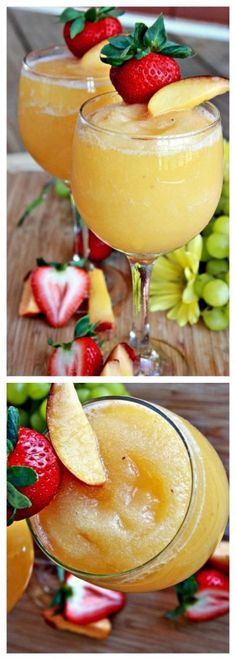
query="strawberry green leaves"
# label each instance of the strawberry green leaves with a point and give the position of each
(13, 423)
(141, 42)
(17, 477)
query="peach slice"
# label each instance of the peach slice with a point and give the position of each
(72, 436)
(126, 357)
(112, 368)
(28, 305)
(186, 93)
(90, 61)
(99, 629)
(99, 304)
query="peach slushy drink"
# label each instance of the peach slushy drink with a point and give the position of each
(53, 86)
(159, 514)
(146, 185)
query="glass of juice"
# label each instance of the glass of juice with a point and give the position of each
(160, 513)
(53, 86)
(146, 186)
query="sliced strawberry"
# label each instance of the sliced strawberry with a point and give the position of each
(85, 29)
(143, 61)
(59, 290)
(88, 602)
(203, 596)
(33, 470)
(80, 357)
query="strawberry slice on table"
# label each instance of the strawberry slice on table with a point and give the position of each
(85, 29)
(33, 470)
(143, 62)
(80, 357)
(59, 290)
(203, 596)
(85, 603)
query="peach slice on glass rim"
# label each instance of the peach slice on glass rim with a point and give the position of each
(187, 93)
(72, 436)
(90, 61)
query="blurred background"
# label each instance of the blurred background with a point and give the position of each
(206, 29)
(141, 626)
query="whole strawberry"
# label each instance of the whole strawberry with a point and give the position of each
(143, 62)
(85, 29)
(80, 357)
(33, 470)
(98, 250)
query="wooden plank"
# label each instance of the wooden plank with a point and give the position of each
(141, 626)
(29, 30)
(48, 233)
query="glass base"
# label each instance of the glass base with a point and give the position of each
(159, 359)
(162, 359)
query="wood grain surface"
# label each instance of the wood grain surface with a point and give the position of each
(141, 626)
(48, 233)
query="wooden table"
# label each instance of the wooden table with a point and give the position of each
(141, 626)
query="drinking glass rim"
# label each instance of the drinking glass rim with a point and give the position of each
(207, 104)
(100, 576)
(53, 49)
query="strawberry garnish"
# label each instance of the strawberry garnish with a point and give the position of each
(143, 62)
(85, 29)
(203, 596)
(82, 603)
(98, 250)
(59, 289)
(80, 357)
(33, 470)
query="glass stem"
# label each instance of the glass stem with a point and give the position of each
(78, 228)
(141, 274)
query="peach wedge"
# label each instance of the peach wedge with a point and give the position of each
(186, 93)
(72, 436)
(91, 59)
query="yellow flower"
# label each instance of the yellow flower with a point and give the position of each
(172, 283)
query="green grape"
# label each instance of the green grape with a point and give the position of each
(205, 256)
(88, 386)
(218, 245)
(37, 422)
(221, 225)
(225, 189)
(217, 266)
(17, 393)
(24, 417)
(117, 389)
(61, 189)
(43, 408)
(38, 390)
(226, 278)
(215, 319)
(99, 390)
(200, 282)
(216, 293)
(83, 393)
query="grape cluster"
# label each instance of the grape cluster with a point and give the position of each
(212, 284)
(31, 399)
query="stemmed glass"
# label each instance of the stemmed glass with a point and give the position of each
(145, 195)
(52, 89)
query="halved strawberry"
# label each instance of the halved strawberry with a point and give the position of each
(33, 470)
(59, 289)
(143, 61)
(202, 597)
(85, 29)
(80, 357)
(88, 602)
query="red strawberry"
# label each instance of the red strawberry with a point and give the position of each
(59, 290)
(85, 29)
(32, 462)
(202, 597)
(88, 602)
(98, 250)
(80, 357)
(142, 62)
(137, 80)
